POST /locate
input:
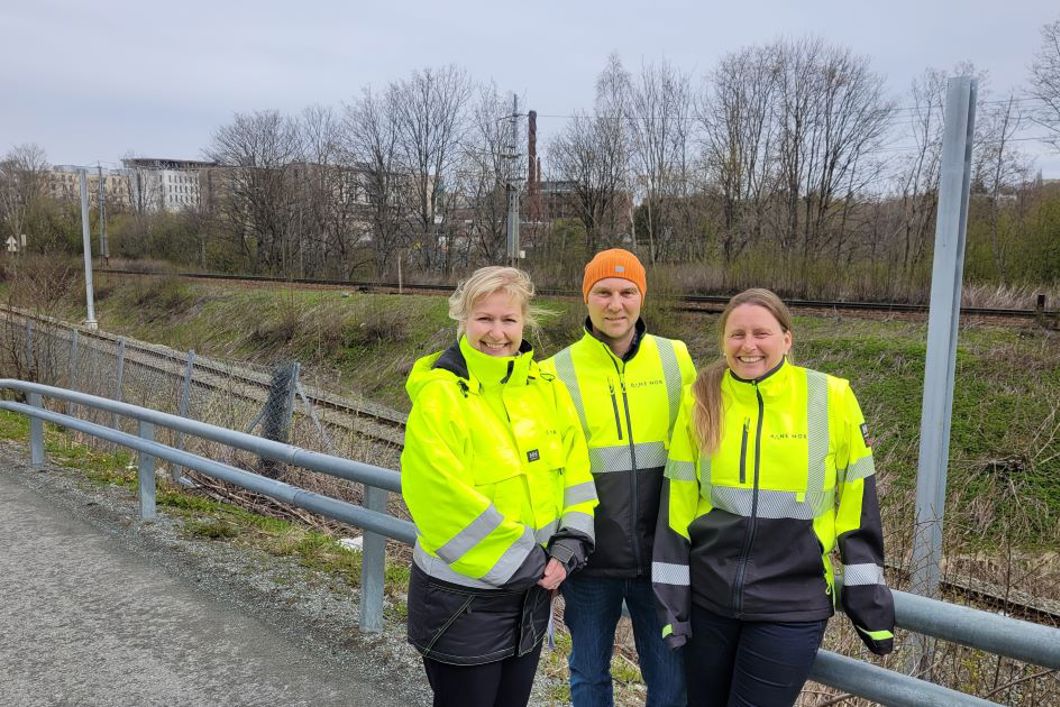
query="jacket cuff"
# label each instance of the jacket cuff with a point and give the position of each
(570, 552)
(532, 569)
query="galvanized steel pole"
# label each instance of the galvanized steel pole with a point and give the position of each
(950, 228)
(940, 364)
(86, 238)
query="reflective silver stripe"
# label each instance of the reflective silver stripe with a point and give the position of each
(650, 455)
(817, 438)
(436, 567)
(669, 573)
(605, 460)
(565, 371)
(863, 574)
(582, 522)
(542, 535)
(472, 535)
(861, 469)
(580, 493)
(511, 559)
(771, 504)
(672, 374)
(680, 471)
(704, 472)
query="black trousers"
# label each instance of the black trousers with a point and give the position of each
(733, 663)
(502, 683)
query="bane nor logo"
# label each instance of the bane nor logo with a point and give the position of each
(787, 435)
(642, 384)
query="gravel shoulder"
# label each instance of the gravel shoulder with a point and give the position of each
(103, 609)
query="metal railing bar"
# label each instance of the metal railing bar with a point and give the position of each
(885, 686)
(1001, 635)
(277, 451)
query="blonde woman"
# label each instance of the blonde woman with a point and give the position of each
(770, 470)
(495, 472)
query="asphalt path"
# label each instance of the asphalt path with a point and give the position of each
(86, 621)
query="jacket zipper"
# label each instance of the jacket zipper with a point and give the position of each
(749, 537)
(614, 406)
(743, 450)
(632, 477)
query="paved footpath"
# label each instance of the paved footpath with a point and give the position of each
(85, 621)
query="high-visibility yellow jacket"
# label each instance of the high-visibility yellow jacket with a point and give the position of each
(746, 532)
(494, 470)
(627, 408)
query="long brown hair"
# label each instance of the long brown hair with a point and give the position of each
(707, 415)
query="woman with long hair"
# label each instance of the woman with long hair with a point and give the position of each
(770, 470)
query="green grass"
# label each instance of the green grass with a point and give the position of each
(1004, 437)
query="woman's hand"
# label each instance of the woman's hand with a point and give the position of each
(555, 573)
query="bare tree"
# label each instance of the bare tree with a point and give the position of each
(328, 198)
(592, 154)
(658, 114)
(739, 138)
(429, 111)
(485, 163)
(832, 114)
(999, 171)
(22, 186)
(258, 149)
(1045, 82)
(371, 149)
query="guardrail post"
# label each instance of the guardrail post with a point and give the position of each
(36, 434)
(146, 474)
(373, 566)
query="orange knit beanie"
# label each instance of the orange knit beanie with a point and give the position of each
(615, 262)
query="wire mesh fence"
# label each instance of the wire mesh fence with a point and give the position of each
(274, 403)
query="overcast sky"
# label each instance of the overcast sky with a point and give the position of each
(96, 81)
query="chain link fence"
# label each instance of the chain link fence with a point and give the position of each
(271, 402)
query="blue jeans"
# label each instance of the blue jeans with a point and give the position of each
(592, 609)
(734, 663)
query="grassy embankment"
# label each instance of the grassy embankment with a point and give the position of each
(1004, 499)
(1005, 438)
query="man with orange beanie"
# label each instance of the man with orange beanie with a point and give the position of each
(626, 385)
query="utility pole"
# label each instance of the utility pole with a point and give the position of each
(86, 239)
(104, 251)
(513, 187)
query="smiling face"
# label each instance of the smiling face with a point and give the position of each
(494, 325)
(614, 307)
(754, 341)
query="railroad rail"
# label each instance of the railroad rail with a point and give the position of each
(706, 304)
(362, 416)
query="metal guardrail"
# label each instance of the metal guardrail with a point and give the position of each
(372, 517)
(1020, 640)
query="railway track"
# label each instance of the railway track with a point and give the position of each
(703, 304)
(387, 426)
(361, 416)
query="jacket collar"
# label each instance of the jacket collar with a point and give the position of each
(770, 383)
(638, 335)
(478, 369)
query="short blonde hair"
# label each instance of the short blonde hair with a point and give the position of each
(483, 283)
